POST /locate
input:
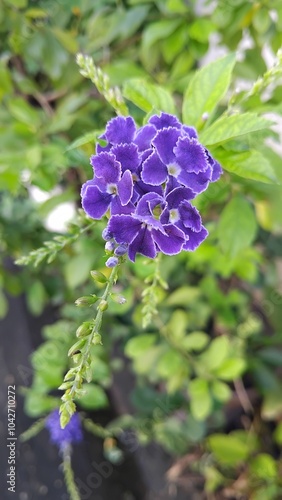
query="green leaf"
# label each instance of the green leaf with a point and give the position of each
(263, 467)
(169, 364)
(249, 165)
(221, 391)
(148, 96)
(231, 369)
(216, 353)
(37, 404)
(230, 127)
(85, 139)
(183, 296)
(228, 449)
(200, 399)
(24, 113)
(159, 30)
(207, 87)
(139, 345)
(36, 297)
(237, 226)
(66, 39)
(195, 341)
(94, 397)
(77, 269)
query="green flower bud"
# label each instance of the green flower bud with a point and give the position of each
(103, 306)
(87, 300)
(99, 277)
(97, 339)
(84, 329)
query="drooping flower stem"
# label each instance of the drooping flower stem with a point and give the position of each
(81, 350)
(150, 295)
(68, 474)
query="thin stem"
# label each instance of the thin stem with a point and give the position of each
(68, 474)
(33, 430)
(95, 330)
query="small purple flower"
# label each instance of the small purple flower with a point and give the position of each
(72, 433)
(145, 179)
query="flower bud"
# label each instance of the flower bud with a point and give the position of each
(112, 262)
(97, 339)
(106, 234)
(103, 306)
(99, 277)
(87, 300)
(84, 329)
(110, 246)
(121, 249)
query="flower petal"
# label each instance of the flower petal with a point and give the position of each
(154, 171)
(124, 228)
(144, 244)
(144, 137)
(145, 208)
(195, 238)
(165, 142)
(165, 120)
(216, 168)
(118, 209)
(120, 130)
(178, 195)
(125, 188)
(106, 167)
(85, 185)
(170, 243)
(190, 216)
(190, 155)
(141, 188)
(127, 156)
(190, 131)
(95, 203)
(197, 182)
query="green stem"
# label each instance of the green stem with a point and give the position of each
(95, 330)
(69, 476)
(33, 430)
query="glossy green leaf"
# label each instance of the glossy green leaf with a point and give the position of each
(230, 127)
(207, 87)
(249, 165)
(237, 226)
(148, 96)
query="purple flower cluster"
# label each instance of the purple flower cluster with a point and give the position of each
(147, 178)
(72, 433)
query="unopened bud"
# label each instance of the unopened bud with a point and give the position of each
(87, 300)
(99, 277)
(112, 262)
(84, 329)
(106, 234)
(97, 339)
(103, 306)
(121, 249)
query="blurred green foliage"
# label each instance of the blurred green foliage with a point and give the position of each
(214, 349)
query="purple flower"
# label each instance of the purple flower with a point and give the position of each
(145, 179)
(72, 433)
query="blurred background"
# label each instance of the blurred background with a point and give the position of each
(201, 413)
